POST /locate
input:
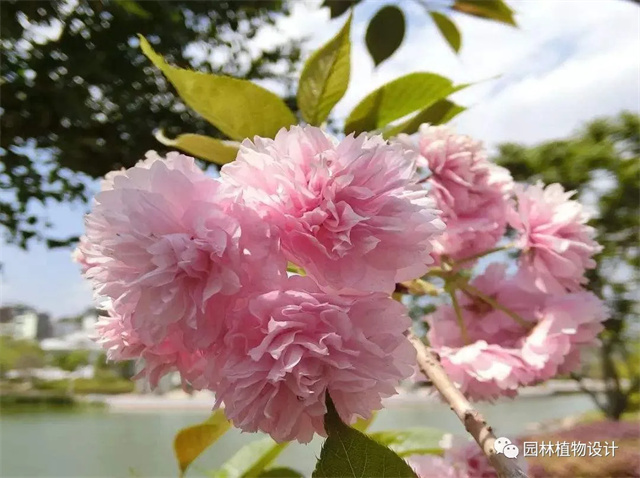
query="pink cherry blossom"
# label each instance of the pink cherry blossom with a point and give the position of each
(288, 348)
(117, 335)
(497, 354)
(433, 466)
(471, 191)
(349, 212)
(558, 245)
(567, 323)
(170, 246)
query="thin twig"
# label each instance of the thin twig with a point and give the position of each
(496, 305)
(472, 420)
(482, 254)
(459, 318)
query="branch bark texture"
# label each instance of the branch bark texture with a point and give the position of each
(474, 423)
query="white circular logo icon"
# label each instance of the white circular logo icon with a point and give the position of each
(511, 451)
(500, 443)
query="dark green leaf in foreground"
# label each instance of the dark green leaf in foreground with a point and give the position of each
(385, 33)
(348, 453)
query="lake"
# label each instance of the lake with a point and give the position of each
(125, 444)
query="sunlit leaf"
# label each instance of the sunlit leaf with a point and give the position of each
(338, 7)
(238, 108)
(394, 100)
(448, 30)
(348, 453)
(411, 441)
(362, 424)
(495, 10)
(133, 8)
(251, 460)
(190, 442)
(439, 113)
(325, 77)
(385, 33)
(203, 147)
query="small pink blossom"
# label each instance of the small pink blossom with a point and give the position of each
(567, 323)
(170, 246)
(288, 348)
(471, 191)
(497, 354)
(433, 466)
(349, 212)
(558, 245)
(119, 338)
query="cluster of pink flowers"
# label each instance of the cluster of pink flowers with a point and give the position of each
(194, 272)
(513, 330)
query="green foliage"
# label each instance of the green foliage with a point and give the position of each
(19, 354)
(81, 101)
(601, 162)
(251, 460)
(84, 386)
(385, 33)
(338, 7)
(238, 108)
(495, 10)
(350, 453)
(70, 361)
(280, 472)
(411, 441)
(440, 112)
(448, 30)
(396, 99)
(203, 147)
(325, 77)
(190, 442)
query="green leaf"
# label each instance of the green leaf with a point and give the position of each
(280, 472)
(132, 7)
(238, 108)
(251, 460)
(397, 99)
(338, 7)
(385, 33)
(438, 113)
(325, 77)
(362, 424)
(190, 442)
(411, 441)
(495, 10)
(448, 30)
(350, 453)
(203, 147)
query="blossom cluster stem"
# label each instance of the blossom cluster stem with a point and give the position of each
(474, 423)
(456, 307)
(496, 305)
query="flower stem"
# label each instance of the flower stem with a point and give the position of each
(496, 305)
(456, 307)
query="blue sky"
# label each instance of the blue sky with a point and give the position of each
(569, 61)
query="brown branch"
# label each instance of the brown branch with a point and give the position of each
(472, 420)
